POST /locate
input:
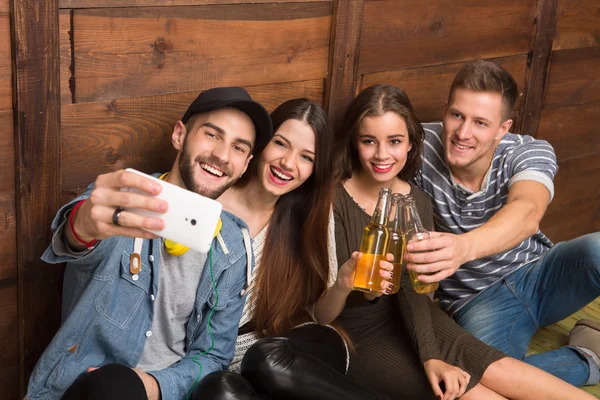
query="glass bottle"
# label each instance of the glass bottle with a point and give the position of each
(373, 246)
(413, 230)
(397, 240)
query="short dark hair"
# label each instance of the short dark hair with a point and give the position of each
(485, 76)
(373, 101)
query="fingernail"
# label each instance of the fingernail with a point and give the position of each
(439, 398)
(391, 286)
(162, 206)
(392, 275)
(409, 247)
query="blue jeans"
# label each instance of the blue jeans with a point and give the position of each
(508, 313)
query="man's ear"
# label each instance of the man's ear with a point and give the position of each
(504, 129)
(247, 163)
(178, 136)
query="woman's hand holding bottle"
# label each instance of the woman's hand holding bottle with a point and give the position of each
(345, 277)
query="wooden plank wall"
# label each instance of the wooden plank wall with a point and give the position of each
(570, 117)
(129, 68)
(9, 327)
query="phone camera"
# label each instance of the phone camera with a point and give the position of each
(193, 222)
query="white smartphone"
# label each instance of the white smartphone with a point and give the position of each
(191, 218)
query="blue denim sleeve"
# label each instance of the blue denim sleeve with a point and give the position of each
(92, 257)
(177, 380)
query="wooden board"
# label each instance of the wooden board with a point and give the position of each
(578, 24)
(9, 323)
(37, 152)
(159, 50)
(398, 35)
(106, 136)
(4, 6)
(577, 180)
(8, 239)
(66, 64)
(348, 16)
(9, 340)
(428, 99)
(164, 3)
(572, 219)
(5, 62)
(574, 77)
(538, 66)
(573, 131)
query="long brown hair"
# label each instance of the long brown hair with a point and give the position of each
(295, 263)
(374, 101)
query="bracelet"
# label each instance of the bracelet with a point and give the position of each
(89, 244)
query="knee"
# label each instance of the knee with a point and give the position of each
(267, 358)
(223, 385)
(112, 381)
(592, 247)
(586, 249)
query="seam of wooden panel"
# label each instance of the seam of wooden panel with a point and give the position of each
(81, 4)
(72, 82)
(537, 74)
(343, 62)
(37, 158)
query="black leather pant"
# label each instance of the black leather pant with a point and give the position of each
(111, 382)
(305, 363)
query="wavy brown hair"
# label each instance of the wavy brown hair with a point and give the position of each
(374, 101)
(295, 264)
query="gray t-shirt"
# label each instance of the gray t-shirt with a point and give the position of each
(178, 282)
(457, 210)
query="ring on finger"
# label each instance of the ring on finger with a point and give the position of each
(116, 215)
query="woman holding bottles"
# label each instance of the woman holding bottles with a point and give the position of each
(405, 346)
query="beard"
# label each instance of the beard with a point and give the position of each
(186, 170)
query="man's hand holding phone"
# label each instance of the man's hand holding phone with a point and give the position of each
(96, 217)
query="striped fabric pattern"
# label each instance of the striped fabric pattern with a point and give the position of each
(457, 210)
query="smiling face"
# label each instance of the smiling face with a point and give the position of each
(383, 145)
(473, 126)
(288, 160)
(216, 151)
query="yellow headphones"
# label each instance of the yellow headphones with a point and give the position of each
(178, 249)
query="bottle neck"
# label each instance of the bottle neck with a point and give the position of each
(380, 215)
(412, 219)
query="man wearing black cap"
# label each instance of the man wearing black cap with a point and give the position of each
(151, 334)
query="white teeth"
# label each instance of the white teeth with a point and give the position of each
(460, 146)
(382, 166)
(280, 175)
(212, 170)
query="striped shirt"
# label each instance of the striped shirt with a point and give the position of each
(457, 210)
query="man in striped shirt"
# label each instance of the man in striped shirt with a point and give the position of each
(500, 277)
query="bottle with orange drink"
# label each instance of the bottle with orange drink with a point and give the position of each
(414, 230)
(374, 246)
(397, 240)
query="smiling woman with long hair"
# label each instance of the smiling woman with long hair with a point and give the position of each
(406, 347)
(286, 202)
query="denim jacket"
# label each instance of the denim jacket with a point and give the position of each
(107, 312)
